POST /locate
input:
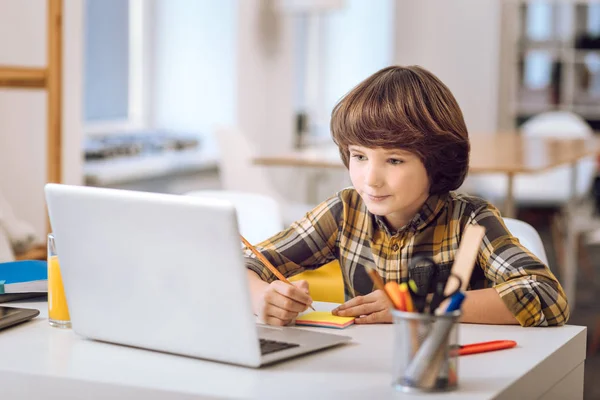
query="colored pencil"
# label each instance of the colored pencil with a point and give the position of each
(397, 298)
(267, 263)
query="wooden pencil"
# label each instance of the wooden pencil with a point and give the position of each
(267, 264)
(378, 283)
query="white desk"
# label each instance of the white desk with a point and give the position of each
(37, 361)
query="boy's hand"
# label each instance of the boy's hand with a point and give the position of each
(373, 308)
(281, 303)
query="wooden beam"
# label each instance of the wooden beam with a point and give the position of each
(22, 77)
(54, 91)
(54, 87)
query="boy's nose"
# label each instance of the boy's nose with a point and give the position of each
(372, 178)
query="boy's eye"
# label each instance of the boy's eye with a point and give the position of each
(359, 157)
(395, 161)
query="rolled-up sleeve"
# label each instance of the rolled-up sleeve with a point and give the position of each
(526, 285)
(307, 244)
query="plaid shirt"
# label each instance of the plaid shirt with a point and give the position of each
(341, 228)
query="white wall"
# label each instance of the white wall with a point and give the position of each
(194, 64)
(459, 41)
(23, 113)
(219, 63)
(359, 42)
(265, 74)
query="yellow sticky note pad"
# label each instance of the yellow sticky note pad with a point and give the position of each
(324, 319)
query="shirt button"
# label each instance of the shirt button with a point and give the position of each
(395, 247)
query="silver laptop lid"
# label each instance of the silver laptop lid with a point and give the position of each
(156, 271)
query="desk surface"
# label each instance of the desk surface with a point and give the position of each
(36, 359)
(500, 153)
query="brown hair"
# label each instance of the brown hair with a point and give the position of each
(411, 109)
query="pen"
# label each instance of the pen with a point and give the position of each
(447, 373)
(483, 347)
(267, 264)
(429, 359)
(409, 307)
(455, 302)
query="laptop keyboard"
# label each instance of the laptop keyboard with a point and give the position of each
(271, 346)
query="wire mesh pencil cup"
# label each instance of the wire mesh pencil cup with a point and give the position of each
(425, 356)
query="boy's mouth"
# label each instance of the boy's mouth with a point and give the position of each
(376, 198)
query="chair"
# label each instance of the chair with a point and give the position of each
(325, 283)
(549, 188)
(553, 188)
(238, 173)
(529, 238)
(259, 217)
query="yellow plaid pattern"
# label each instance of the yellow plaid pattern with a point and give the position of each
(341, 228)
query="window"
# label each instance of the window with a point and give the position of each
(114, 70)
(336, 50)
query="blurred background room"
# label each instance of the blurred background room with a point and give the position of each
(189, 96)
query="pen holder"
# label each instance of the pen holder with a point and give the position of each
(424, 359)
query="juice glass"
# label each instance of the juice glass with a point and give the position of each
(58, 311)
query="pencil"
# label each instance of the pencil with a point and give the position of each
(267, 264)
(378, 282)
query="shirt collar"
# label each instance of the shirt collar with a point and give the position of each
(428, 212)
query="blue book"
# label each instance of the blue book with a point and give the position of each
(24, 277)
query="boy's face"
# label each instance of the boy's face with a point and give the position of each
(393, 183)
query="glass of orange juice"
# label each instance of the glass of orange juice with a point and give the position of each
(58, 312)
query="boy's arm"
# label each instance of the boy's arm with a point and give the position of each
(307, 244)
(485, 306)
(528, 289)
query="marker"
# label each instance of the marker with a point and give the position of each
(393, 292)
(455, 302)
(403, 287)
(419, 300)
(475, 348)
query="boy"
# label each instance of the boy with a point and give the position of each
(402, 136)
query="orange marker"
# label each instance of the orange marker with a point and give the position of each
(393, 292)
(494, 345)
(403, 287)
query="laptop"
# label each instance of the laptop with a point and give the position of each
(166, 273)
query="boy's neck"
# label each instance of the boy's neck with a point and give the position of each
(398, 220)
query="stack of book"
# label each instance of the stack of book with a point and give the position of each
(23, 279)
